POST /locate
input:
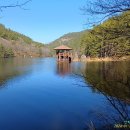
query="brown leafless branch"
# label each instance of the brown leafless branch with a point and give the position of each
(17, 4)
(105, 8)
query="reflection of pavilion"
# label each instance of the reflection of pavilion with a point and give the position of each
(63, 68)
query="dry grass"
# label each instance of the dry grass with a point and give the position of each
(125, 58)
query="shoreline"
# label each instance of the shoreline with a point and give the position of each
(107, 59)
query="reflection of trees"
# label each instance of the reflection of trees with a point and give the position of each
(112, 80)
(12, 67)
(120, 112)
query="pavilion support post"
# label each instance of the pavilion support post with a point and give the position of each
(58, 57)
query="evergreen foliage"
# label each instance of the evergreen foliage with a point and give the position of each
(5, 52)
(111, 38)
(12, 35)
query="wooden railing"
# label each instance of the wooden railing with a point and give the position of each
(65, 54)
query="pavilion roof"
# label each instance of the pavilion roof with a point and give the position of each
(62, 47)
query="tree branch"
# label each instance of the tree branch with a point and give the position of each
(20, 5)
(105, 8)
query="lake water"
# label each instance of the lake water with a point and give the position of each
(41, 94)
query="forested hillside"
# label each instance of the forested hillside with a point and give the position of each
(72, 40)
(16, 44)
(110, 39)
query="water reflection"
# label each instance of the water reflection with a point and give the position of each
(39, 99)
(115, 118)
(63, 68)
(12, 67)
(112, 80)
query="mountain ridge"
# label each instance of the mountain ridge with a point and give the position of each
(13, 43)
(72, 39)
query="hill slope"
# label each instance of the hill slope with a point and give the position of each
(16, 44)
(109, 39)
(72, 40)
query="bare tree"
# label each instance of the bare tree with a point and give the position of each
(13, 5)
(105, 8)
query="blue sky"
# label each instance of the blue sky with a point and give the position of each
(46, 20)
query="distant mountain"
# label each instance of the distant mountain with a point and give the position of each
(72, 40)
(15, 44)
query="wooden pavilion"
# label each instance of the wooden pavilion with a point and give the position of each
(63, 53)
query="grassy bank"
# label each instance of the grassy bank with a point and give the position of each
(90, 59)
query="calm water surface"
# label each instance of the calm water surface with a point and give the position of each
(41, 94)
